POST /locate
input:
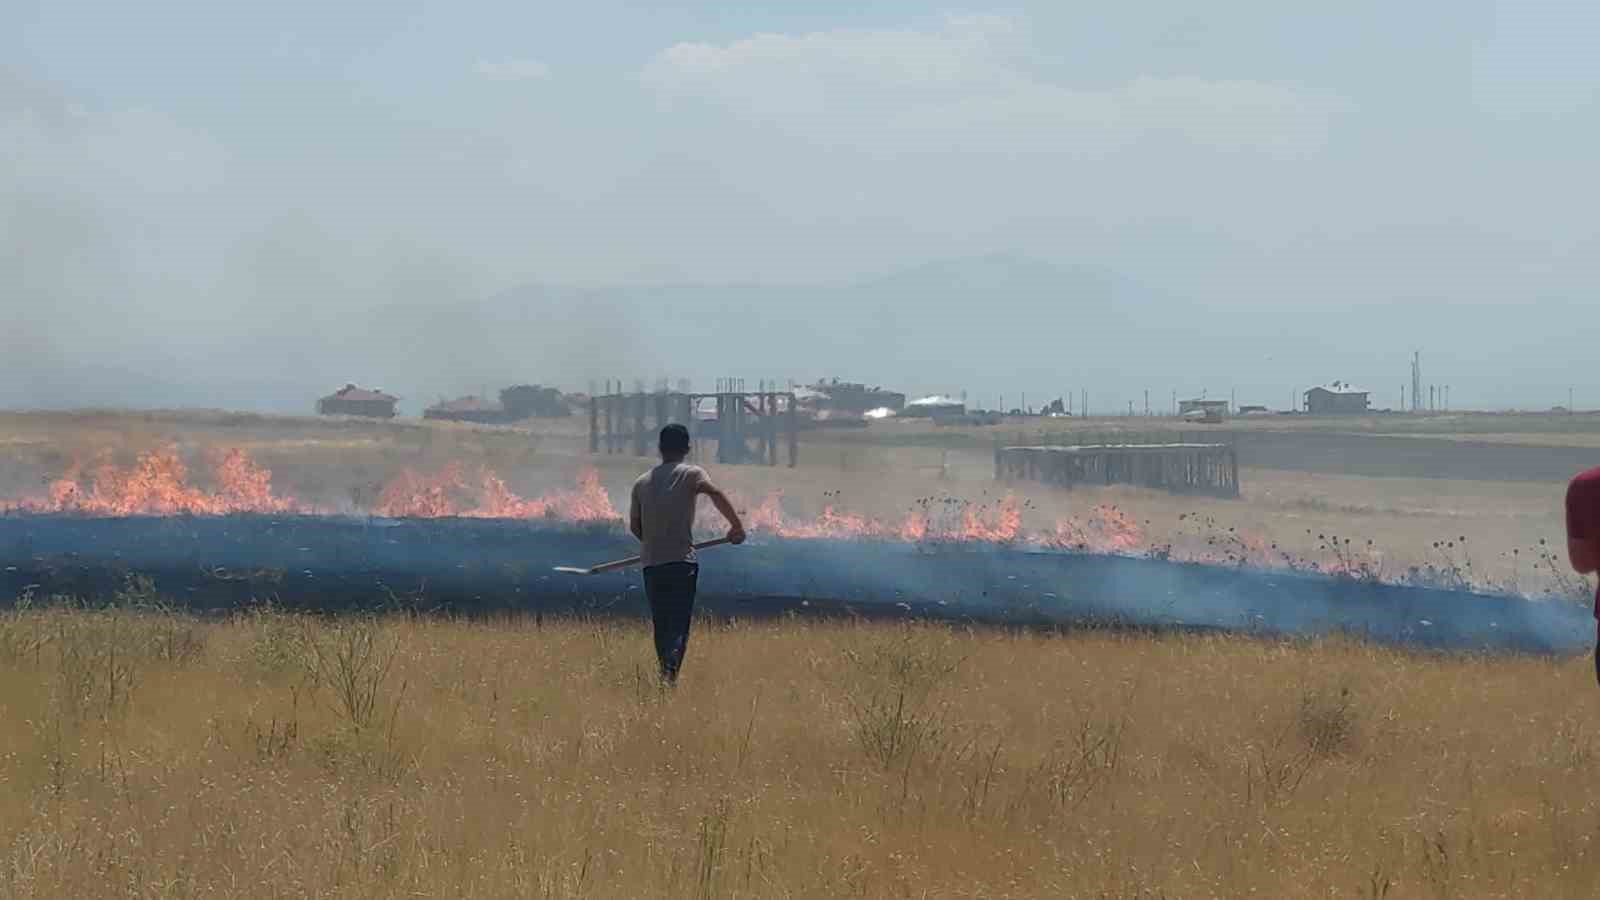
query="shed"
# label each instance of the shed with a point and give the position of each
(1336, 399)
(1203, 410)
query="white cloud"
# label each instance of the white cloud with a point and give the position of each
(512, 69)
(963, 85)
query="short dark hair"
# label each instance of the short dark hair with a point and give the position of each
(674, 440)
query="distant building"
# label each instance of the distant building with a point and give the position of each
(527, 401)
(467, 409)
(1204, 410)
(354, 401)
(1252, 410)
(935, 407)
(1336, 399)
(853, 397)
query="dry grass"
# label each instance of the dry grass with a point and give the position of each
(150, 755)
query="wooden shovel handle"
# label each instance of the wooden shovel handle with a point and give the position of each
(634, 560)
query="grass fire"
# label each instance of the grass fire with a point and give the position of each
(1124, 452)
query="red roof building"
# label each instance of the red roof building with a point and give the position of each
(354, 401)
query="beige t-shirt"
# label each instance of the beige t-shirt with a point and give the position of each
(665, 497)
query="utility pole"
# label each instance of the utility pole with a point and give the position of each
(1147, 403)
(1416, 381)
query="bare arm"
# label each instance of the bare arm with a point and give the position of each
(724, 506)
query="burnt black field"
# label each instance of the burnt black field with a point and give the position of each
(477, 566)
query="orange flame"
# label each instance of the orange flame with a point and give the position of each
(999, 527)
(246, 486)
(588, 503)
(157, 484)
(769, 517)
(1106, 530)
(412, 494)
(445, 493)
(1002, 525)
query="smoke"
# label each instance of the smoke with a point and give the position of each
(142, 265)
(331, 562)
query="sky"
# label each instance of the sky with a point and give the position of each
(244, 205)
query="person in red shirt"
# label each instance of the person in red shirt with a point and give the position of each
(1583, 537)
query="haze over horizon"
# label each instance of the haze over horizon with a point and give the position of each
(246, 208)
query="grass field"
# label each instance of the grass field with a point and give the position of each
(150, 755)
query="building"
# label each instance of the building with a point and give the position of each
(935, 407)
(1336, 399)
(354, 401)
(852, 397)
(467, 409)
(1203, 410)
(527, 401)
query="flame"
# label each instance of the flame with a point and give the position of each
(768, 516)
(1003, 524)
(412, 494)
(157, 484)
(246, 486)
(999, 527)
(588, 503)
(1107, 529)
(914, 529)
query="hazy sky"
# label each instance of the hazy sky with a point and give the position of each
(184, 187)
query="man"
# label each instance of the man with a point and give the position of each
(661, 516)
(1583, 536)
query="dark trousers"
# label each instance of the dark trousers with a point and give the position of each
(670, 588)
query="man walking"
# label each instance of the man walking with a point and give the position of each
(661, 516)
(1583, 536)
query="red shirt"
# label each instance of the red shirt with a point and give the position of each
(1583, 513)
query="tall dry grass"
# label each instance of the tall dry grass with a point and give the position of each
(147, 754)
